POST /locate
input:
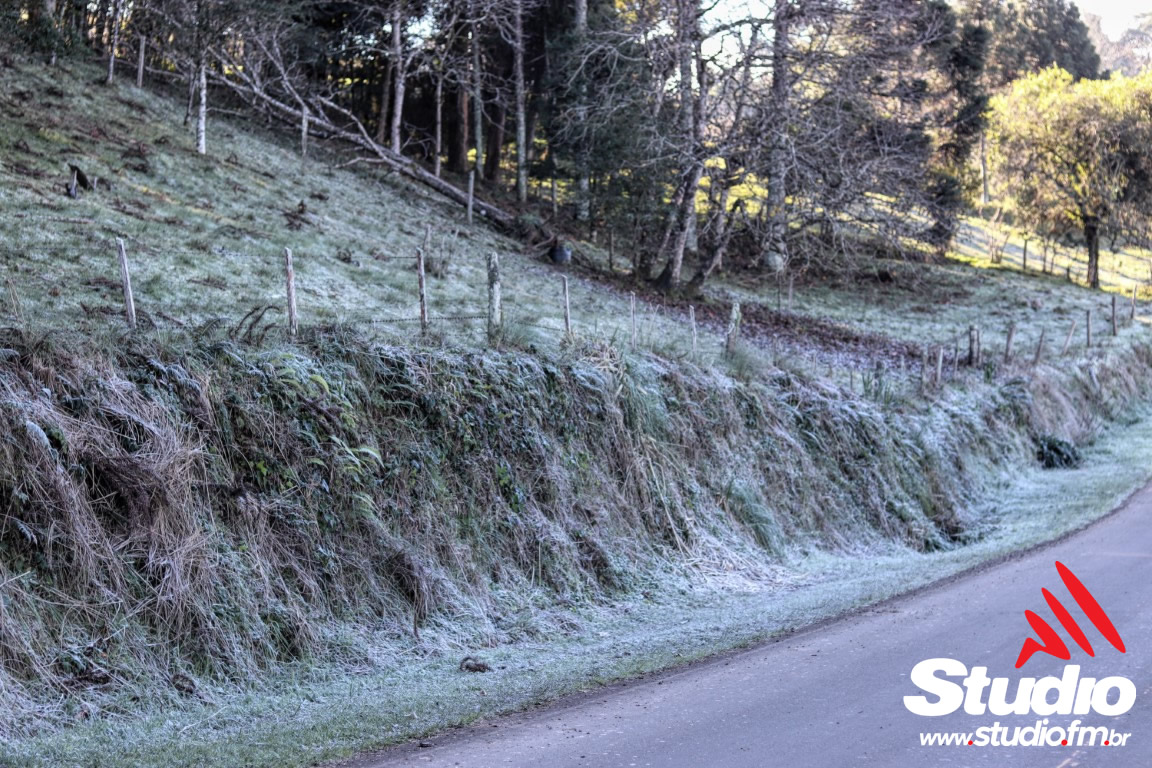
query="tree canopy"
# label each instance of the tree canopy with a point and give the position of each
(1076, 152)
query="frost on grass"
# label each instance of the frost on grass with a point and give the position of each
(222, 549)
(286, 528)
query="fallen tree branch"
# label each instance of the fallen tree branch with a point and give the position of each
(254, 91)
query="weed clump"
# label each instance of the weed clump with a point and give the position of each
(1054, 453)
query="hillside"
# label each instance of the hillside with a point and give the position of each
(205, 239)
(223, 546)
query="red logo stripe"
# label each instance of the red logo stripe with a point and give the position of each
(1053, 645)
(1068, 622)
(1090, 607)
(1050, 643)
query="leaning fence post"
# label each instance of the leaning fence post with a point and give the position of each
(633, 320)
(471, 192)
(567, 309)
(290, 279)
(733, 328)
(692, 321)
(1039, 348)
(126, 280)
(1068, 338)
(423, 286)
(495, 308)
(1008, 343)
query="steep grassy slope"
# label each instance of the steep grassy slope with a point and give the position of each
(205, 235)
(189, 514)
(185, 517)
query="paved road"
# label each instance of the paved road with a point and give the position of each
(833, 696)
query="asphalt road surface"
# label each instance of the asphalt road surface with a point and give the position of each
(834, 695)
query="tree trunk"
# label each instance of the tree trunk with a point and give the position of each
(104, 29)
(1092, 239)
(669, 279)
(439, 139)
(458, 149)
(141, 57)
(687, 24)
(777, 155)
(193, 72)
(521, 105)
(114, 42)
(385, 103)
(984, 198)
(401, 76)
(583, 179)
(496, 144)
(202, 111)
(477, 97)
(725, 220)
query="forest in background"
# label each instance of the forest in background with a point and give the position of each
(700, 135)
(223, 544)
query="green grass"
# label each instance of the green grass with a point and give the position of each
(321, 713)
(205, 235)
(580, 511)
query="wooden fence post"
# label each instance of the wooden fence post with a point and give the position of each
(611, 251)
(1115, 327)
(567, 309)
(423, 287)
(971, 345)
(1068, 338)
(126, 281)
(290, 279)
(471, 193)
(791, 279)
(1088, 328)
(979, 347)
(1132, 314)
(1039, 348)
(1008, 343)
(141, 53)
(495, 307)
(304, 133)
(633, 320)
(733, 328)
(692, 320)
(939, 366)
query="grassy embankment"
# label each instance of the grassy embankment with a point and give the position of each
(221, 526)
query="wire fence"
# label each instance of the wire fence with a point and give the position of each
(255, 295)
(124, 282)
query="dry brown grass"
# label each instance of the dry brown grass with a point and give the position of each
(183, 515)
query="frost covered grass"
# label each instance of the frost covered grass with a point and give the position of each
(933, 305)
(221, 548)
(205, 235)
(324, 713)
